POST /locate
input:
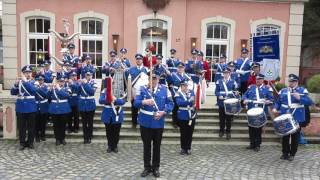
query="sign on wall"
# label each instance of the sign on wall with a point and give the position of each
(266, 47)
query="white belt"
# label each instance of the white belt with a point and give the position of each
(218, 73)
(60, 101)
(172, 68)
(74, 94)
(147, 112)
(43, 101)
(185, 108)
(293, 106)
(107, 106)
(192, 74)
(89, 97)
(26, 97)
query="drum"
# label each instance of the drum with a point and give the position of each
(285, 125)
(256, 117)
(232, 106)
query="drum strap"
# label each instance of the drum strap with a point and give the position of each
(186, 98)
(225, 87)
(257, 93)
(55, 95)
(242, 65)
(289, 97)
(21, 86)
(84, 91)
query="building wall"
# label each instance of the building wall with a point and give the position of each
(186, 16)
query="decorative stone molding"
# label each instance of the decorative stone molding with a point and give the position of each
(9, 116)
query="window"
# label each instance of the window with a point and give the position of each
(267, 29)
(217, 42)
(154, 23)
(91, 42)
(157, 46)
(37, 40)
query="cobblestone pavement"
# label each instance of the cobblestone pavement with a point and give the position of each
(79, 161)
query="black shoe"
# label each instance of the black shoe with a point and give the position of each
(290, 158)
(43, 138)
(145, 172)
(22, 147)
(58, 142)
(228, 137)
(115, 150)
(156, 173)
(85, 141)
(250, 147)
(31, 146)
(183, 152)
(257, 149)
(89, 141)
(109, 150)
(63, 142)
(221, 133)
(284, 157)
(188, 152)
(37, 139)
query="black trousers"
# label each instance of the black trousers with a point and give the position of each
(290, 149)
(243, 87)
(59, 126)
(26, 123)
(186, 132)
(174, 114)
(255, 136)
(134, 113)
(113, 134)
(151, 136)
(41, 122)
(224, 120)
(87, 124)
(73, 121)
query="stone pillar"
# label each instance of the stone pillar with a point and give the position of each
(9, 26)
(9, 116)
(294, 39)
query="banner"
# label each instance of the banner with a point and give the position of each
(266, 47)
(270, 69)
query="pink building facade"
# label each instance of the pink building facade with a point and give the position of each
(213, 26)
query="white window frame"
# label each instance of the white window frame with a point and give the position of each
(24, 23)
(35, 35)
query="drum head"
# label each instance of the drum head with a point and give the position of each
(231, 101)
(255, 111)
(283, 117)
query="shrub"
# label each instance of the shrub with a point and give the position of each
(279, 86)
(313, 84)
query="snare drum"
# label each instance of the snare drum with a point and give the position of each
(256, 117)
(232, 106)
(285, 125)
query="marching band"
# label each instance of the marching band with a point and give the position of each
(155, 88)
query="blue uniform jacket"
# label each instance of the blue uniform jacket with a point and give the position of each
(48, 78)
(87, 68)
(175, 79)
(219, 68)
(185, 104)
(246, 68)
(191, 71)
(64, 74)
(26, 102)
(87, 100)
(172, 64)
(282, 102)
(110, 112)
(163, 100)
(220, 90)
(161, 71)
(59, 101)
(134, 72)
(42, 98)
(74, 98)
(265, 92)
(72, 59)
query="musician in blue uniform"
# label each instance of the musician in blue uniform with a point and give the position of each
(257, 95)
(289, 97)
(193, 67)
(154, 104)
(112, 117)
(220, 67)
(233, 74)
(124, 59)
(87, 106)
(243, 67)
(26, 107)
(172, 62)
(48, 74)
(65, 70)
(59, 108)
(109, 67)
(71, 57)
(174, 80)
(87, 66)
(135, 73)
(161, 70)
(43, 105)
(185, 100)
(225, 88)
(73, 122)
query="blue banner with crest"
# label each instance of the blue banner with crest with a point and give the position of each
(266, 47)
